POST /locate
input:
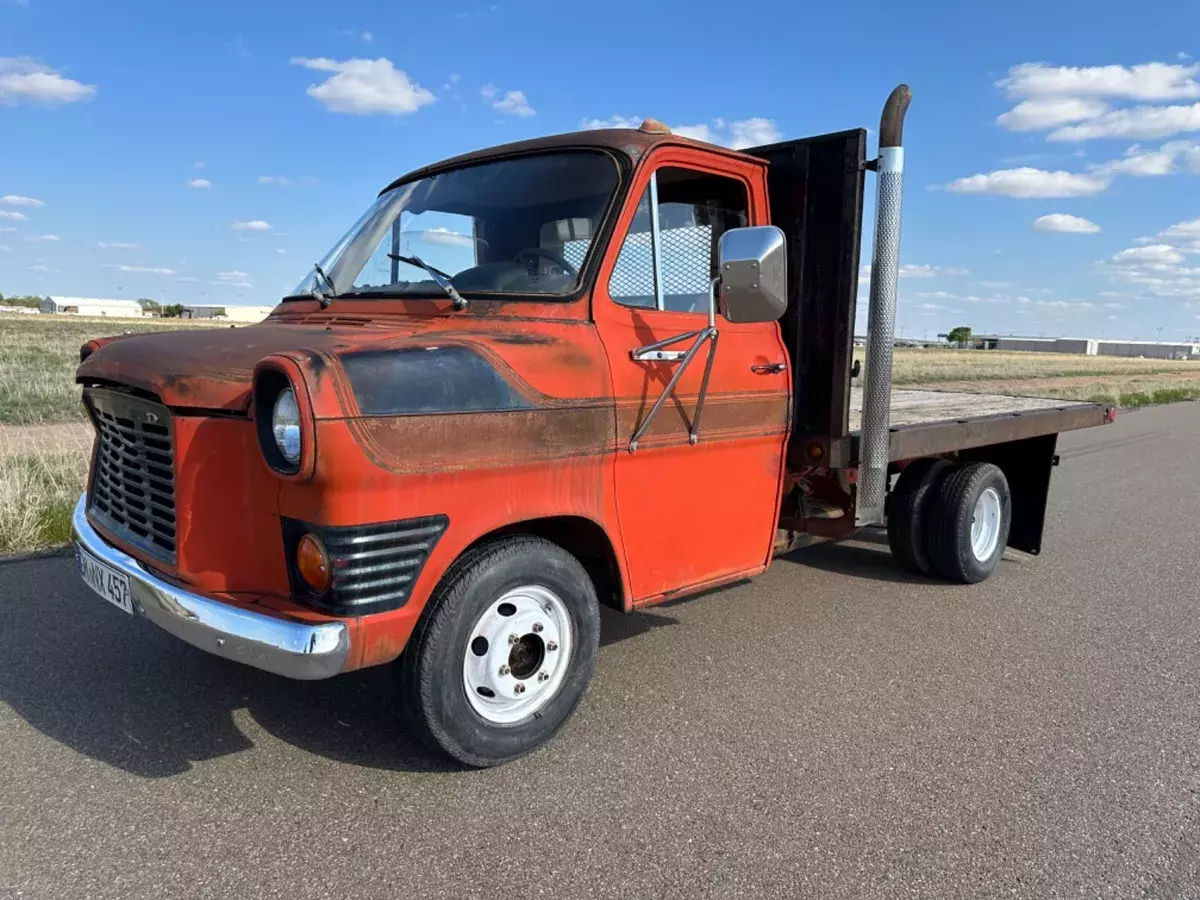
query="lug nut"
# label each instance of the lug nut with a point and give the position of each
(537, 626)
(552, 646)
(504, 670)
(543, 676)
(512, 639)
(519, 688)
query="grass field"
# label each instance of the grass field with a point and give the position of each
(43, 465)
(1125, 381)
(38, 356)
(44, 441)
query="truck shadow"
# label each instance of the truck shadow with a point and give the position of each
(114, 688)
(866, 555)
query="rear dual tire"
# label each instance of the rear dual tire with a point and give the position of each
(948, 520)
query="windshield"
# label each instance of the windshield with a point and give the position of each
(516, 226)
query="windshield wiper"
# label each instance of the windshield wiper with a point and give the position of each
(323, 298)
(440, 278)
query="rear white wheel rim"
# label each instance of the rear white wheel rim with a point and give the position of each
(517, 654)
(985, 525)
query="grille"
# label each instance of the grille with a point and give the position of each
(133, 478)
(374, 566)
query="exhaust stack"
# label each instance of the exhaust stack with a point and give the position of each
(874, 439)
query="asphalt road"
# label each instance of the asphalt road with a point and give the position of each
(832, 729)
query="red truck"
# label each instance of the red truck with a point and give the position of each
(611, 367)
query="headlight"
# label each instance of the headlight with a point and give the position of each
(285, 425)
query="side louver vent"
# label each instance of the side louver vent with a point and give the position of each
(374, 566)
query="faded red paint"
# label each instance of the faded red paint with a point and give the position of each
(679, 517)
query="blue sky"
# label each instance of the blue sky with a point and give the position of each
(154, 149)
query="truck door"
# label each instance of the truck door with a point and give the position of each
(690, 513)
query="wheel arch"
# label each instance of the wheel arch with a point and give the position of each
(583, 538)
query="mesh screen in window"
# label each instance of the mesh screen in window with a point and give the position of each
(694, 210)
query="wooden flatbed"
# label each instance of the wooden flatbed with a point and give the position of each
(925, 423)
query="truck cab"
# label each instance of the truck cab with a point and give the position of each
(610, 367)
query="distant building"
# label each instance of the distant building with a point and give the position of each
(1088, 346)
(93, 306)
(244, 314)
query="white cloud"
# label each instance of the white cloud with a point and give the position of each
(1047, 112)
(232, 278)
(251, 225)
(447, 237)
(488, 91)
(1114, 305)
(1029, 182)
(7, 228)
(4, 248)
(1166, 160)
(22, 78)
(911, 270)
(1112, 318)
(142, 270)
(198, 164)
(116, 245)
(17, 200)
(1068, 305)
(42, 237)
(367, 37)
(199, 183)
(1134, 123)
(365, 87)
(613, 121)
(753, 132)
(12, 216)
(930, 307)
(1062, 222)
(1147, 81)
(41, 268)
(936, 295)
(697, 133)
(187, 278)
(1160, 254)
(513, 103)
(280, 251)
(281, 180)
(736, 135)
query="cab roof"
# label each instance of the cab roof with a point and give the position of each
(631, 143)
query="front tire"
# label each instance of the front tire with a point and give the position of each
(969, 522)
(503, 652)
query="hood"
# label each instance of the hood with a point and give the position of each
(212, 368)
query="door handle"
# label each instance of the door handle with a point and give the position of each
(768, 368)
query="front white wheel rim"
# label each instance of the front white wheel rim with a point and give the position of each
(517, 654)
(985, 525)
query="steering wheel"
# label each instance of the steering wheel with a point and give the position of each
(545, 253)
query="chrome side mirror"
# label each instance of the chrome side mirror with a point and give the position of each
(752, 263)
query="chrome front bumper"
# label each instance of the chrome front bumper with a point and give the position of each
(292, 649)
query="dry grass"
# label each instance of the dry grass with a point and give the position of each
(1106, 379)
(40, 480)
(38, 356)
(930, 366)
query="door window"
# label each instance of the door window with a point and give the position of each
(669, 256)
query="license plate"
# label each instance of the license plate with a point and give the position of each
(106, 581)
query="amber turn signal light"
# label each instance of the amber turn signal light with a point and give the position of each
(313, 563)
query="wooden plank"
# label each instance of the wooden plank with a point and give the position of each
(926, 407)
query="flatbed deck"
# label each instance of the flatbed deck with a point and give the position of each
(931, 422)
